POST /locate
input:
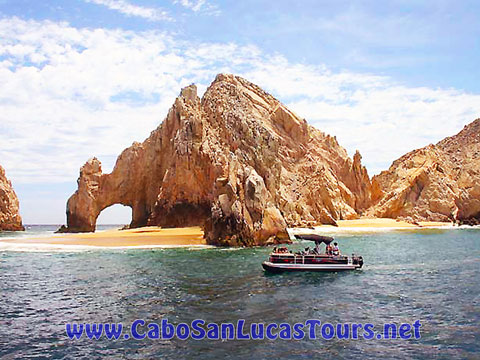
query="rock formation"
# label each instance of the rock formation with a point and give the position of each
(236, 162)
(438, 182)
(10, 219)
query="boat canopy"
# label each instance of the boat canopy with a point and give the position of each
(314, 237)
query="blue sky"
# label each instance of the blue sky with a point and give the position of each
(86, 78)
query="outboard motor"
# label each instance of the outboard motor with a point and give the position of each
(357, 260)
(360, 261)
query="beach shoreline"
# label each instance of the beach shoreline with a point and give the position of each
(372, 225)
(151, 236)
(386, 223)
(157, 237)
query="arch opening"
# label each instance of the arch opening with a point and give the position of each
(116, 215)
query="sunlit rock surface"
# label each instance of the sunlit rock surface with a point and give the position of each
(438, 182)
(237, 162)
(9, 209)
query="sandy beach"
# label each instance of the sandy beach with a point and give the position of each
(146, 236)
(368, 225)
(385, 223)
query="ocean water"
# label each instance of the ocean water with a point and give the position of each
(427, 275)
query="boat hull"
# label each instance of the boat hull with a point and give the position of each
(275, 267)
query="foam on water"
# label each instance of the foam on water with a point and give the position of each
(37, 247)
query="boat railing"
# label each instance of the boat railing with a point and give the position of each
(306, 258)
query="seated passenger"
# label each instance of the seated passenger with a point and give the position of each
(328, 250)
(335, 250)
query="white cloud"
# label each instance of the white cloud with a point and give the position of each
(126, 8)
(191, 4)
(199, 6)
(68, 94)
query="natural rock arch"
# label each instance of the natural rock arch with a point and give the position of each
(96, 192)
(236, 162)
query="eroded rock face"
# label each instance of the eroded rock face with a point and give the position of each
(236, 162)
(9, 209)
(438, 182)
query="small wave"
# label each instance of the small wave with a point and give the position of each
(468, 227)
(28, 235)
(25, 247)
(238, 248)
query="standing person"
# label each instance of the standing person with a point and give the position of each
(335, 250)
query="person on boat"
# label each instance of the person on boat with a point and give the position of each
(328, 249)
(316, 251)
(335, 249)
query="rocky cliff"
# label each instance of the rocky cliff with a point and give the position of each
(438, 182)
(9, 216)
(237, 162)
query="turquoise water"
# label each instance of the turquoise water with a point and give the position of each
(431, 276)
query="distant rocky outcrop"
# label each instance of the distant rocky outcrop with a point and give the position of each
(237, 162)
(438, 182)
(10, 219)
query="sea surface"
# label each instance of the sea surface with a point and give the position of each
(427, 275)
